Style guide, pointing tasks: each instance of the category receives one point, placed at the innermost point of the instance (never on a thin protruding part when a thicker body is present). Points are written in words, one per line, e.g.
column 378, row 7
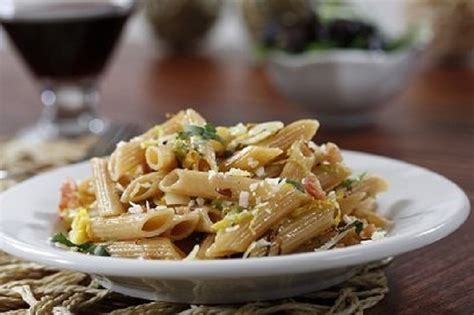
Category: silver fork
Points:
column 104, row 146
column 107, row 141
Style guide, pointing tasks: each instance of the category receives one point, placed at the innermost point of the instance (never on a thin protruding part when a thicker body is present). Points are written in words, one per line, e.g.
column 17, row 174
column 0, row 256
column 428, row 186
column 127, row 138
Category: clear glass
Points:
column 66, row 45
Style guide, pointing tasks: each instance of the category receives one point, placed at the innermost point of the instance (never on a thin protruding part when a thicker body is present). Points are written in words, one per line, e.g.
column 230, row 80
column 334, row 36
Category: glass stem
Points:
column 70, row 108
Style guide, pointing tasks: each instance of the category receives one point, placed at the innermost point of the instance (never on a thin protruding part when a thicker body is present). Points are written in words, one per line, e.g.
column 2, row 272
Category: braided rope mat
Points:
column 29, row 288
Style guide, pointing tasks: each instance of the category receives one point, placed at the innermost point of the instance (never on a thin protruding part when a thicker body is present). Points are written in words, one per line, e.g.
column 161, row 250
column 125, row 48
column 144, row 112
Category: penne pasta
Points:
column 187, row 190
column 204, row 245
column 108, row 201
column 207, row 217
column 160, row 158
column 151, row 248
column 143, row 187
column 206, row 185
column 230, row 241
column 311, row 221
column 299, row 130
column 250, row 158
column 131, row 226
column 182, row 226
column 128, row 160
column 299, row 163
column 331, row 175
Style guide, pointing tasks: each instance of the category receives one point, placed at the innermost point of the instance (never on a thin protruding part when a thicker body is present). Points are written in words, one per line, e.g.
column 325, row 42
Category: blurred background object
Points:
column 335, row 58
column 452, row 24
column 65, row 45
column 181, row 24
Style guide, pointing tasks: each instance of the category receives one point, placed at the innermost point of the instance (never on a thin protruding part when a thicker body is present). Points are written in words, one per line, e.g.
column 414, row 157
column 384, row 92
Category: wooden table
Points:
column 431, row 124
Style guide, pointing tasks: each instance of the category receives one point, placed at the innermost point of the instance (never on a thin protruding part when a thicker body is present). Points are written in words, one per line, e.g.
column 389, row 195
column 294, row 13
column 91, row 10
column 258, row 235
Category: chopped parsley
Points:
column 207, row 132
column 87, row 248
column 350, row 181
column 358, row 225
column 295, row 184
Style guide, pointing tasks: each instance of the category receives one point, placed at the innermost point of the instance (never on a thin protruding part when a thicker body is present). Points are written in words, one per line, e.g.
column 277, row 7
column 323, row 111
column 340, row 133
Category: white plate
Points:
column 423, row 205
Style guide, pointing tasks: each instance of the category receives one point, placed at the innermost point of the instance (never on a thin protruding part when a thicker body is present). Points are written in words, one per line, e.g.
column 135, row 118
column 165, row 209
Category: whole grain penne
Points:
column 108, row 201
column 304, row 129
column 143, row 187
column 236, row 240
column 310, row 221
column 206, row 185
column 131, row 226
column 251, row 158
column 299, row 163
column 160, row 158
column 128, row 160
column 151, row 248
column 182, row 226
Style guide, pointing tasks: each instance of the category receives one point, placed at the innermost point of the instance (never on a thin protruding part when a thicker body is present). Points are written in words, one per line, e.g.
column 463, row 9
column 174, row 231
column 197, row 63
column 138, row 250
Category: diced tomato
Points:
column 313, row 187
column 69, row 195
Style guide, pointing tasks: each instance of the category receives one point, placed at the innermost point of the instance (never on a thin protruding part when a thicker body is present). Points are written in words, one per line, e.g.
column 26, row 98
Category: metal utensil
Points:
column 104, row 146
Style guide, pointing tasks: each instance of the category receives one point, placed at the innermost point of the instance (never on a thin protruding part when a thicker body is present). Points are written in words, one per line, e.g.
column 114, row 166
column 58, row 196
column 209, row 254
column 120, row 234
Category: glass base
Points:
column 46, row 131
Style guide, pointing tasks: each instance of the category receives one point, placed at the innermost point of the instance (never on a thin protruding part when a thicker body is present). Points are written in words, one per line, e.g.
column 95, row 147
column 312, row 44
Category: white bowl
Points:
column 423, row 205
column 342, row 87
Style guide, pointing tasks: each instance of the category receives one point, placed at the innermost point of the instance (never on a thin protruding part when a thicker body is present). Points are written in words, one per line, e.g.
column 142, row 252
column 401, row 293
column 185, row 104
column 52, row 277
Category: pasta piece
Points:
column 152, row 248
column 311, row 221
column 182, row 226
column 172, row 125
column 204, row 245
column 304, row 129
column 191, row 117
column 143, row 187
column 328, row 152
column 108, row 202
column 274, row 169
column 131, row 226
column 172, row 199
column 349, row 204
column 206, row 185
column 300, row 161
column 331, row 175
column 372, row 217
column 128, row 160
column 207, row 217
column 160, row 158
column 371, row 185
column 86, row 192
column 236, row 240
column 251, row 158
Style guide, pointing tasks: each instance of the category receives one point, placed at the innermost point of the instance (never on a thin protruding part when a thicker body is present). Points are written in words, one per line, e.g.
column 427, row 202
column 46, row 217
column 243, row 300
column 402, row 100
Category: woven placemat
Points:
column 29, row 288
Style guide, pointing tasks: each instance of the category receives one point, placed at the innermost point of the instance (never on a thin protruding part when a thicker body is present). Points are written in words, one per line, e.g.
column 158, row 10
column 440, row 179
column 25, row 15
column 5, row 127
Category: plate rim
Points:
column 251, row 267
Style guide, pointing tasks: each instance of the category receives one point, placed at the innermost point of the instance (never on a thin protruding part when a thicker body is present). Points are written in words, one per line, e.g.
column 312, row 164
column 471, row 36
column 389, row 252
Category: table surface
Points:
column 430, row 124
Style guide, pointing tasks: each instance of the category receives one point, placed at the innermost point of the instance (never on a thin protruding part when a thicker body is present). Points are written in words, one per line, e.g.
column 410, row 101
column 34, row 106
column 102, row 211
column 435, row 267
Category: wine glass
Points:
column 66, row 45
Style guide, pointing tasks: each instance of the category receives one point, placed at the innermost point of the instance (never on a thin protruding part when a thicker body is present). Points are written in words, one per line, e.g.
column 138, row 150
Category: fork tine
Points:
column 107, row 142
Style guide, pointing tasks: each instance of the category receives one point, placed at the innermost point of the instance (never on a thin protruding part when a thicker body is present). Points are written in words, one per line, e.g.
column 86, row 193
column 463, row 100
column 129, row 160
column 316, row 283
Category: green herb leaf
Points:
column 350, row 181
column 89, row 248
column 295, row 184
column 358, row 225
column 61, row 239
column 217, row 203
column 208, row 132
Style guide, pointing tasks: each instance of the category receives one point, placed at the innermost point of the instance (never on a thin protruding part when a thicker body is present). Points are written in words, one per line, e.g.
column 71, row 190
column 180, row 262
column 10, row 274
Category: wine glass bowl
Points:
column 66, row 46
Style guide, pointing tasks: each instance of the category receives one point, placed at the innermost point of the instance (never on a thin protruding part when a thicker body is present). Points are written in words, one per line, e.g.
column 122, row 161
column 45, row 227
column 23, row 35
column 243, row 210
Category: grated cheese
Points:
column 378, row 235
column 260, row 171
column 135, row 208
column 252, row 162
column 237, row 172
column 200, row 201
column 244, row 199
column 193, row 253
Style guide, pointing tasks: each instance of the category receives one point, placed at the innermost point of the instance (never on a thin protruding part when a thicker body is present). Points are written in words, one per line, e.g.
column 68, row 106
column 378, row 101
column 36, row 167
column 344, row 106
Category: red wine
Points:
column 66, row 41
